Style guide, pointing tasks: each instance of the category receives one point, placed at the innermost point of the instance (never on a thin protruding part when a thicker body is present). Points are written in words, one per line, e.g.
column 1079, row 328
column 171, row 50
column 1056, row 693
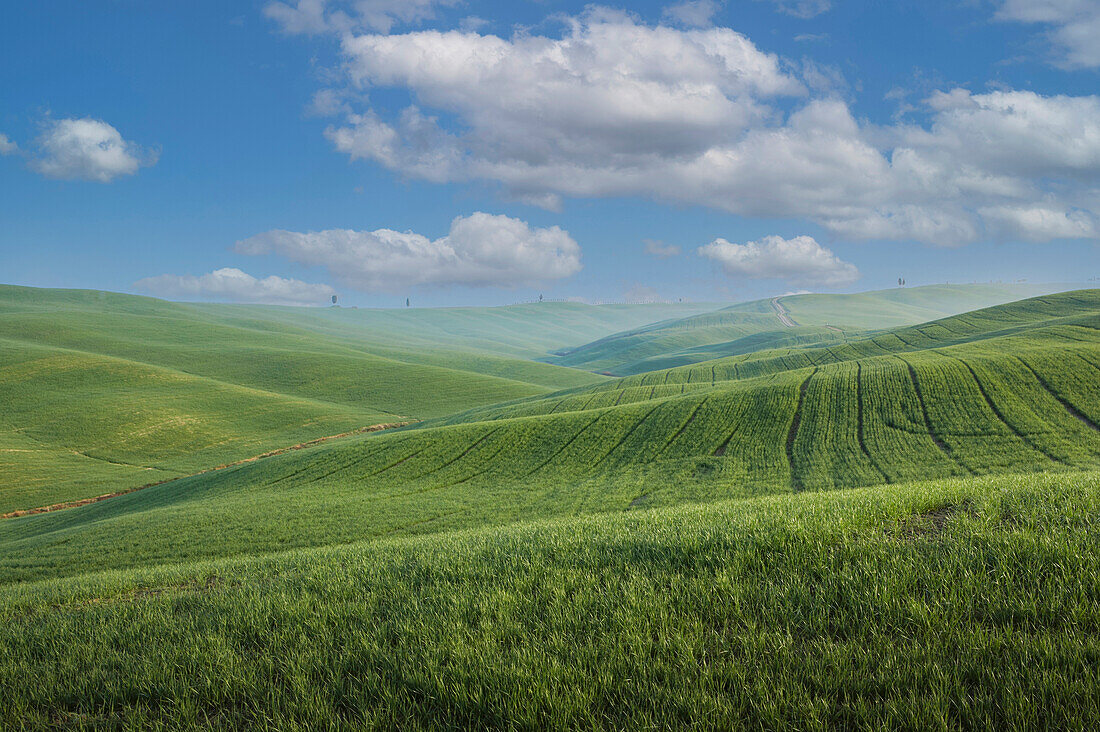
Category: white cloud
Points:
column 800, row 261
column 1037, row 223
column 312, row 17
column 1074, row 27
column 7, row 147
column 659, row 249
column 703, row 117
column 480, row 250
column 610, row 95
column 692, row 13
column 87, row 149
column 233, row 285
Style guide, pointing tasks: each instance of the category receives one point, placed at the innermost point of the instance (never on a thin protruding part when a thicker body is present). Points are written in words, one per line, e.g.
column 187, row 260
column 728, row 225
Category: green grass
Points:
column 754, row 326
column 966, row 603
column 105, row 392
column 1027, row 400
column 550, row 548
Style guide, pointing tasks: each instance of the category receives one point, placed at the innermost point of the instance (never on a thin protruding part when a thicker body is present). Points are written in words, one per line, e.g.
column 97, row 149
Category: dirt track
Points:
column 781, row 312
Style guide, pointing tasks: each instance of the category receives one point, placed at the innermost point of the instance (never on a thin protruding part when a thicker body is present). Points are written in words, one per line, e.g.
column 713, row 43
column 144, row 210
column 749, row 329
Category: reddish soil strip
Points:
column 270, row 453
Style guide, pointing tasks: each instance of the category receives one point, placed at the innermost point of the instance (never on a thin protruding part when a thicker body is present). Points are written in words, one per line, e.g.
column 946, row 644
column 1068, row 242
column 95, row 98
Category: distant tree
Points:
column 899, row 282
column 540, row 297
column 406, row 302
column 334, row 299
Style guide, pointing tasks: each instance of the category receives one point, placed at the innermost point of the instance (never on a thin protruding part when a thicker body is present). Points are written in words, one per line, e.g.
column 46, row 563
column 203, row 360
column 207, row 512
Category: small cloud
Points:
column 312, row 17
column 233, row 285
column 811, row 37
column 472, row 23
column 801, row 261
column 480, row 250
column 657, row 248
column 328, row 103
column 7, row 146
column 804, row 9
column 692, row 13
column 88, row 149
column 823, row 78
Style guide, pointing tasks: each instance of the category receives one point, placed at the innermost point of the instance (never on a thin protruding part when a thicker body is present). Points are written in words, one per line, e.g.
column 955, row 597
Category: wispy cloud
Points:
column 692, row 13
column 1073, row 27
column 657, row 248
column 312, row 17
column 232, row 285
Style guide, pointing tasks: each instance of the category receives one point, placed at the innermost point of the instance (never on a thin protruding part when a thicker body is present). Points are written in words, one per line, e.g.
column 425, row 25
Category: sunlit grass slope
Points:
column 104, row 392
column 76, row 424
column 1009, row 389
column 754, row 326
column 961, row 604
column 522, row 331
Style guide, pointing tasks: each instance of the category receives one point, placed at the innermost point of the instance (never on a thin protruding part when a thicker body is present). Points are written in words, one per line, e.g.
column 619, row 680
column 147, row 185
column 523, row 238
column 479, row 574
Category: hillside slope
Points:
column 757, row 325
column 924, row 606
column 1018, row 392
column 105, row 392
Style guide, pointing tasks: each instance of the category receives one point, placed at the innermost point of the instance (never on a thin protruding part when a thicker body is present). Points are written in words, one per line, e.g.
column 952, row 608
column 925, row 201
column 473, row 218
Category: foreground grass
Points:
column 959, row 603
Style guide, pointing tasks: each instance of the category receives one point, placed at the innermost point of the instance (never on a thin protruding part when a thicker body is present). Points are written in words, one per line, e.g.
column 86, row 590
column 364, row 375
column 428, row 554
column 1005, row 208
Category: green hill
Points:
column 746, row 541
column 105, row 392
column 925, row 606
column 755, row 326
column 1008, row 389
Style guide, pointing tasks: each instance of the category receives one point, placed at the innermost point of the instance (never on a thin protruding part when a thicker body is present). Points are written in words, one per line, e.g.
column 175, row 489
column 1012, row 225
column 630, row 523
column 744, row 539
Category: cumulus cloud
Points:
column 312, row 17
column 692, row 13
column 233, row 285
column 614, row 107
column 1073, row 27
column 7, row 147
column 657, row 248
column 87, row 149
column 480, row 250
column 801, row 261
column 611, row 95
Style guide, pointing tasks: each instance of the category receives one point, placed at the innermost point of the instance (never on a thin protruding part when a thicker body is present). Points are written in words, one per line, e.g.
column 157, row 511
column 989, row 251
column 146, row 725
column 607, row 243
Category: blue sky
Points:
column 484, row 152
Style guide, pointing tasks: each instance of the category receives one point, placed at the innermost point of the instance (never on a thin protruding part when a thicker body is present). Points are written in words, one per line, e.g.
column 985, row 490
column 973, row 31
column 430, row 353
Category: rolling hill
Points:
column 105, row 392
column 888, row 529
column 1008, row 389
column 807, row 320
column 930, row 605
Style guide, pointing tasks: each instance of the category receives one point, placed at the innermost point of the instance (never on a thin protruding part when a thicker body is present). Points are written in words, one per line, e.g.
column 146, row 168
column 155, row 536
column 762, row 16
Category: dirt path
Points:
column 254, row 458
column 781, row 312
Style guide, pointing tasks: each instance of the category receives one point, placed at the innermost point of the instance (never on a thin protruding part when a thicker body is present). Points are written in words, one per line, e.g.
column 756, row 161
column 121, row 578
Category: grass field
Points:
column 884, row 526
column 105, row 392
column 755, row 326
column 960, row 603
column 1019, row 393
